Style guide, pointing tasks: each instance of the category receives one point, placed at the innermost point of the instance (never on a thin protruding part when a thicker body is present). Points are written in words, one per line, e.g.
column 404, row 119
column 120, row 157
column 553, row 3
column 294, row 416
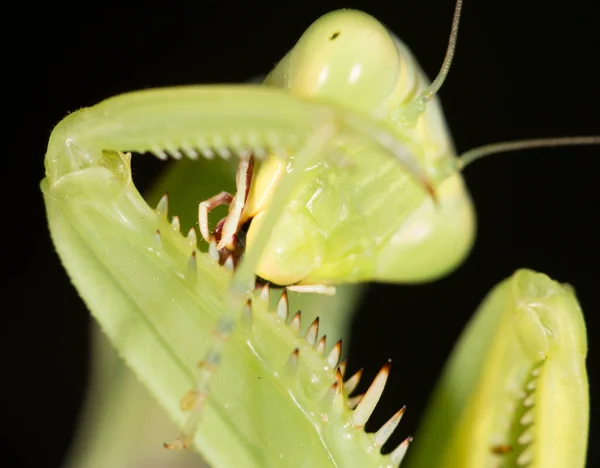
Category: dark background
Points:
column 522, row 69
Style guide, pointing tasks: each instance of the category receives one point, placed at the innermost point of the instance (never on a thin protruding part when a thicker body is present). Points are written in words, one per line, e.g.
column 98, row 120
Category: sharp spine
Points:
column 333, row 358
column 355, row 400
column 159, row 153
column 312, row 332
column 527, row 418
column 265, row 293
column 224, row 152
column 192, row 237
column 351, row 384
column 189, row 151
column 295, row 323
column 398, row 454
column 525, row 457
column 162, row 207
column 334, row 391
column 367, row 405
column 384, row 433
column 208, row 153
column 344, row 363
column 339, row 381
column 193, row 265
column 212, row 250
column 247, row 315
column 283, row 306
column 293, row 360
column 526, row 437
column 175, row 223
column 260, row 152
column 321, row 344
column 229, row 265
column 174, row 152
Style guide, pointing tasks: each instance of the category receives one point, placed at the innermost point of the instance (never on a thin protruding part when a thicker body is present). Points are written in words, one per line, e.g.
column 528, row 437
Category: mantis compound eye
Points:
column 346, row 56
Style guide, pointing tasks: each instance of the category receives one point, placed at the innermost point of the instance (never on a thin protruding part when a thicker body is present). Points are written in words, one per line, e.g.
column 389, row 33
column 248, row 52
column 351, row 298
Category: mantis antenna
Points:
column 434, row 87
column 418, row 106
column 505, row 146
column 410, row 113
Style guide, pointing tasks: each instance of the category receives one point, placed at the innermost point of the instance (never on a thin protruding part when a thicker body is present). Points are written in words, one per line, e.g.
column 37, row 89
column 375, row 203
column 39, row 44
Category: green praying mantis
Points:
column 336, row 160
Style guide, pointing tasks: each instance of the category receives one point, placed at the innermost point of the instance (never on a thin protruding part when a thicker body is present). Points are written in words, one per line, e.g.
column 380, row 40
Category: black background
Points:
column 525, row 68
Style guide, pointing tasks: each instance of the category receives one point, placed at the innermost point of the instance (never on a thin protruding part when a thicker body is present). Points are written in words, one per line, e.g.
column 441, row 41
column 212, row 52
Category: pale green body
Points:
column 159, row 298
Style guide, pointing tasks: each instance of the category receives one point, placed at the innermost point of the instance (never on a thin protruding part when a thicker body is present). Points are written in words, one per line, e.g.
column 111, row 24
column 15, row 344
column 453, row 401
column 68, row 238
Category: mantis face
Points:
column 361, row 216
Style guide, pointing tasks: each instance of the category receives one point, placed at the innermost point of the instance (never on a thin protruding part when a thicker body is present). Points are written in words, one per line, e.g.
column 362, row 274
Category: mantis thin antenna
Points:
column 505, row 146
column 434, row 87
column 409, row 114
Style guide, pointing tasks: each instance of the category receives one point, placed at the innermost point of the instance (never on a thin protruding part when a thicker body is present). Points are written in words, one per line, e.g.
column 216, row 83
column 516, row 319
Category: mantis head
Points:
column 346, row 56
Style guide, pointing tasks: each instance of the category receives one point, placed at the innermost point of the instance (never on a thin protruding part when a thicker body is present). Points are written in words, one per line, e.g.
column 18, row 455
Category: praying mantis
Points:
column 78, row 163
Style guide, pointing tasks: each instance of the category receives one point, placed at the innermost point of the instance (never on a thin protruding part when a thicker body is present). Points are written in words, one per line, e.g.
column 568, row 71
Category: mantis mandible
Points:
column 320, row 139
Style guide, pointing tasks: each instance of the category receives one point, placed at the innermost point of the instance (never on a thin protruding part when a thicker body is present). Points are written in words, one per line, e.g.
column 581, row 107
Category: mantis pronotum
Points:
column 72, row 136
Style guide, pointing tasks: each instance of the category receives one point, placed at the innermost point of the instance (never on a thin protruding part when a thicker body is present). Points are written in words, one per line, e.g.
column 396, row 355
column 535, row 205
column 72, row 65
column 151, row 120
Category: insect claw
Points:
column 398, row 454
column 385, row 431
column 243, row 178
column 367, row 405
column 205, row 207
